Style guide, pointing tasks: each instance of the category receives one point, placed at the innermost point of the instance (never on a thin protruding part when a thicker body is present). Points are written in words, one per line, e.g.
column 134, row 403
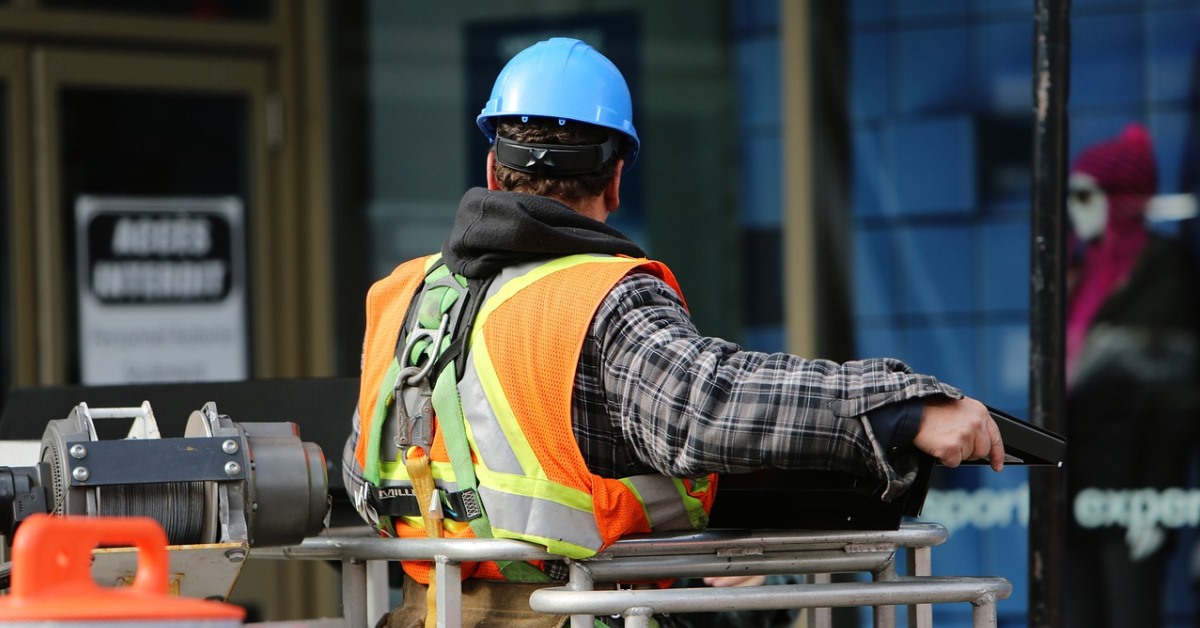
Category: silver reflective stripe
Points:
column 544, row 518
column 499, row 455
column 541, row 517
column 485, row 427
column 664, row 505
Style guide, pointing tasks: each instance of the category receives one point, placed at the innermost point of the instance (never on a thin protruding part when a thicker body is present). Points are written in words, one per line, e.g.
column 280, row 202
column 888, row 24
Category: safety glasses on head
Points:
column 554, row 159
column 565, row 79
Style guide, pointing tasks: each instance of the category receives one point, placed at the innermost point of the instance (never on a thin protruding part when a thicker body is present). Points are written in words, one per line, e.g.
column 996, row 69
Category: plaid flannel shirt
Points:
column 653, row 395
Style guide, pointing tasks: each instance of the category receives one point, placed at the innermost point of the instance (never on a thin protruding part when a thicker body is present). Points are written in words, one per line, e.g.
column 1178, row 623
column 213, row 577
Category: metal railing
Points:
column 713, row 553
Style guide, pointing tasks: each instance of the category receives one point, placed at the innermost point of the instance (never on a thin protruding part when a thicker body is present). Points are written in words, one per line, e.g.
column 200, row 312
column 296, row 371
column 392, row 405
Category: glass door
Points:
column 154, row 218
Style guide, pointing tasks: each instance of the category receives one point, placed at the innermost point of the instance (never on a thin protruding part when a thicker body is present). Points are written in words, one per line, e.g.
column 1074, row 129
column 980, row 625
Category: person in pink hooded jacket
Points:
column 1132, row 404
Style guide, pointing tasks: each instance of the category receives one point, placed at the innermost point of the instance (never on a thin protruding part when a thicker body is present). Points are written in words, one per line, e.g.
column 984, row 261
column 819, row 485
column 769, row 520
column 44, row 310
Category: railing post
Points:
column 354, row 592
column 376, row 585
column 449, row 592
column 821, row 617
column 885, row 616
column 920, row 563
column 580, row 579
column 983, row 613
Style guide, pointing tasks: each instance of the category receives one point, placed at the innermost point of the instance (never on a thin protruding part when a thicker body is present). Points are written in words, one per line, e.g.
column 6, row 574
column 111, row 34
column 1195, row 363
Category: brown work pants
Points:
column 485, row 604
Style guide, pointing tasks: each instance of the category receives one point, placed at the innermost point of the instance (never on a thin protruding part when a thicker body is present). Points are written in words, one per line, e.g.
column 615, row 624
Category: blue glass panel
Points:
column 769, row 339
column 910, row 9
column 874, row 188
column 1004, row 147
column 1088, row 129
column 1181, row 592
column 869, row 75
column 1003, row 517
column 1106, row 60
column 1006, row 367
column 946, row 350
column 934, row 73
column 1169, row 132
column 1021, row 8
column 751, row 15
column 1171, row 40
column 936, row 263
column 867, row 10
column 1006, row 252
column 876, row 284
column 1004, row 51
column 758, row 82
column 878, row 340
column 1081, row 6
column 934, row 165
column 761, row 183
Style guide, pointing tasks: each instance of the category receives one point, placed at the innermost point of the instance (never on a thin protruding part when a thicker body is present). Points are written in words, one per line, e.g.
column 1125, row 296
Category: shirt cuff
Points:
column 895, row 425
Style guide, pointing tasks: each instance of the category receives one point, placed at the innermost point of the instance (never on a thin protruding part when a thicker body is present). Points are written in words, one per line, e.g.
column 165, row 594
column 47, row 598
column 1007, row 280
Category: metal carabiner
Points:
column 435, row 336
column 414, row 426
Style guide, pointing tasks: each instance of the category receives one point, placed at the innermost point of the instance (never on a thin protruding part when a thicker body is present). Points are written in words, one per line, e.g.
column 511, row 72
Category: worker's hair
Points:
column 549, row 131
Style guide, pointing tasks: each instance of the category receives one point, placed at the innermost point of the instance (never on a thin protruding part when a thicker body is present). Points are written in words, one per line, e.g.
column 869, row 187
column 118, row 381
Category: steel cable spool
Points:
column 221, row 482
column 179, row 507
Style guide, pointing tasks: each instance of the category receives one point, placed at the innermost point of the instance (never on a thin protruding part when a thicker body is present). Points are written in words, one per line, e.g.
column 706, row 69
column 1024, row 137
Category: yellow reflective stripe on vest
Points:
column 481, row 361
column 521, row 502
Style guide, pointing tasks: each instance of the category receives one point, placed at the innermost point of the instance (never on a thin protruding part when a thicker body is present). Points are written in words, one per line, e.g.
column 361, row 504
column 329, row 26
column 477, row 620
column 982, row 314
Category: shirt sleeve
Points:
column 688, row 404
column 895, row 425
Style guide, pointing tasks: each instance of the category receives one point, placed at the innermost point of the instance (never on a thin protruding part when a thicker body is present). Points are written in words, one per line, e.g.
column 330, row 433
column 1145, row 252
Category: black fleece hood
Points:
column 493, row 230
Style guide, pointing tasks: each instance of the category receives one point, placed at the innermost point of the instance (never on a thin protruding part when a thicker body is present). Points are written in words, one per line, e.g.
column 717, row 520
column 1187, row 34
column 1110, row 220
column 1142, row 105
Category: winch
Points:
column 221, row 482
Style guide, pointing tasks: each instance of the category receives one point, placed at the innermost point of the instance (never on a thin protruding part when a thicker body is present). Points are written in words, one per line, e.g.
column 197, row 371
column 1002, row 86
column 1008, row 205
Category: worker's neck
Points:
column 593, row 207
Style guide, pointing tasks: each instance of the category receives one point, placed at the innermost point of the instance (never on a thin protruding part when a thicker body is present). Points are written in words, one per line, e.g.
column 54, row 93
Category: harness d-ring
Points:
column 417, row 421
column 410, row 375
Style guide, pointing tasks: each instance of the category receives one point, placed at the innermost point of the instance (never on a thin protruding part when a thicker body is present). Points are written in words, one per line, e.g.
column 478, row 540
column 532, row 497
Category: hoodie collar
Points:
column 493, row 230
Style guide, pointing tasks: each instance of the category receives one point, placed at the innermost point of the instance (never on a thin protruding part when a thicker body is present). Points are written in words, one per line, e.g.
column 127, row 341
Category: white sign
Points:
column 162, row 289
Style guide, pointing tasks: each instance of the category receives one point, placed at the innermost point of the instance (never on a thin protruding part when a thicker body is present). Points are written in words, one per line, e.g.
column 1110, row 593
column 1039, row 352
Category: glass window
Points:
column 940, row 109
column 432, row 65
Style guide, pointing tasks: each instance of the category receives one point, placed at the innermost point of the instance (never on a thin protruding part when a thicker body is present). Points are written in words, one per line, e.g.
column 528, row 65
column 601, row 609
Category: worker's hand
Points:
column 954, row 430
column 735, row 581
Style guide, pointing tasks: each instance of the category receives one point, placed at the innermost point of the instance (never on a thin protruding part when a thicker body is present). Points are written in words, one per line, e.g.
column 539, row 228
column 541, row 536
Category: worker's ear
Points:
column 612, row 191
column 491, row 171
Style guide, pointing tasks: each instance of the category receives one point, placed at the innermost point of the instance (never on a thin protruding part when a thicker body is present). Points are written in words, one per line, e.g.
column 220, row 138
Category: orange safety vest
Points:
column 523, row 353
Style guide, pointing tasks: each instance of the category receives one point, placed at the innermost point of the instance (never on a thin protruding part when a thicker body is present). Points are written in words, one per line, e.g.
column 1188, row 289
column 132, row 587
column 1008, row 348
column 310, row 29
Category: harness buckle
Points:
column 413, row 393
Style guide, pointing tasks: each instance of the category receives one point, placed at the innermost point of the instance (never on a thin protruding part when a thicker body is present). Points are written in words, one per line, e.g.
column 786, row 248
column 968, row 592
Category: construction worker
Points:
column 540, row 379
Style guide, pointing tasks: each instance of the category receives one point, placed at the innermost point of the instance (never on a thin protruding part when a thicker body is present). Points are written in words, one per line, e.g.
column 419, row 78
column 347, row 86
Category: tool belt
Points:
column 485, row 604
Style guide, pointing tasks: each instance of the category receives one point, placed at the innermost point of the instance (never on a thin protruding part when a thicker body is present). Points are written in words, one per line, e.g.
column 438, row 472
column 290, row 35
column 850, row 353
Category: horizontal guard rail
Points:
column 710, row 553
column 909, row 535
column 789, row 562
column 636, row 605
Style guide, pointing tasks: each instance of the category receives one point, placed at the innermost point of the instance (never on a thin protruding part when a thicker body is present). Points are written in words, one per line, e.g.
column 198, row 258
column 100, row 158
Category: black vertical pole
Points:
column 1047, row 494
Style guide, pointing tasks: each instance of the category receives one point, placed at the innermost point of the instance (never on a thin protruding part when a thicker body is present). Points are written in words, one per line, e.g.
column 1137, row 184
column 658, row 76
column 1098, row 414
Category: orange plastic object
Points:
column 52, row 577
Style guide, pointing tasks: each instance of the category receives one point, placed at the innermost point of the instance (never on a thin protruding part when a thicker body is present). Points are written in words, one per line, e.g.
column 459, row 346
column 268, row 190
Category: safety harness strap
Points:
column 450, row 296
column 399, row 501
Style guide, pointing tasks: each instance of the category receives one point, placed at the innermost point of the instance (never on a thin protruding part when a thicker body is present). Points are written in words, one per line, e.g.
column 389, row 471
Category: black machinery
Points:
column 208, row 486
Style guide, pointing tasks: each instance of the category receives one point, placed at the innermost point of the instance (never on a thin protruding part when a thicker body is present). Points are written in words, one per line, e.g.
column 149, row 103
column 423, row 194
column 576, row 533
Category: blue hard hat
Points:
column 566, row 79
